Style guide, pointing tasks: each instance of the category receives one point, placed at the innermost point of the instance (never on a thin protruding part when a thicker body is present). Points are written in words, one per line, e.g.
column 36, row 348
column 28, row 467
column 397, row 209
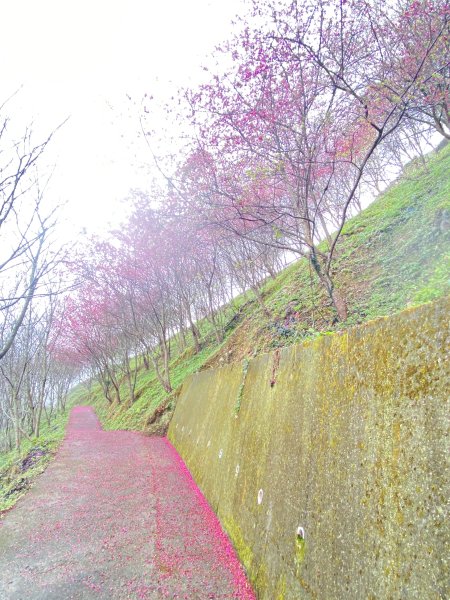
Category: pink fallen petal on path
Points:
column 117, row 515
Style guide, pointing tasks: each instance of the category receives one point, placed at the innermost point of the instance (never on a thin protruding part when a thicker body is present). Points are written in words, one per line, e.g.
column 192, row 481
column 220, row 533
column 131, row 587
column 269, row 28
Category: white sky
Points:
column 82, row 58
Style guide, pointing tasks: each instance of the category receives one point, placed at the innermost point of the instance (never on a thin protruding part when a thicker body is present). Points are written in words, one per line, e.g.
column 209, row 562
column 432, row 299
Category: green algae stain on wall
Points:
column 244, row 551
column 350, row 445
column 300, row 550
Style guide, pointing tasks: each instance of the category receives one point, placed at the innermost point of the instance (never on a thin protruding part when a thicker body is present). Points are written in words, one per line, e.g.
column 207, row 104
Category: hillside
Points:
column 393, row 255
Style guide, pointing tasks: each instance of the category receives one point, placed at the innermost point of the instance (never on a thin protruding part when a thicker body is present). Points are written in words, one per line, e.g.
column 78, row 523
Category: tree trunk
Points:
column 16, row 425
column 130, row 376
column 131, row 388
column 115, row 385
column 337, row 298
column 37, row 422
column 181, row 339
column 195, row 332
column 339, row 304
column 164, row 381
column 325, row 229
column 166, row 359
column 212, row 317
column 105, row 384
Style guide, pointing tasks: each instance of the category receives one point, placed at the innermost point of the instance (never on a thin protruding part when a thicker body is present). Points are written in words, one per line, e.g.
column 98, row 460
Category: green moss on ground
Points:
column 19, row 469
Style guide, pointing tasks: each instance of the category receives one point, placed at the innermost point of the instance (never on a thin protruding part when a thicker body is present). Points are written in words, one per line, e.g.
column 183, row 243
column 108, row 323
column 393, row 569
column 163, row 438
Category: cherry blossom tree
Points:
column 286, row 137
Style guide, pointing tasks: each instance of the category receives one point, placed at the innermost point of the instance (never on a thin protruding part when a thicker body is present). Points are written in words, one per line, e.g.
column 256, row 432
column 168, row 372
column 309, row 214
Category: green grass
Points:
column 18, row 469
column 393, row 255
column 150, row 394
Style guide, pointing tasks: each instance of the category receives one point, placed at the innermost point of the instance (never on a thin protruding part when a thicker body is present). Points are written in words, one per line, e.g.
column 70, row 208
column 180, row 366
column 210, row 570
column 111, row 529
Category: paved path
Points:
column 116, row 516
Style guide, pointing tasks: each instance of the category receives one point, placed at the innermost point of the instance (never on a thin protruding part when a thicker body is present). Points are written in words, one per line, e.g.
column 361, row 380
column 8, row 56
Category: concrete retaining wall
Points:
column 345, row 437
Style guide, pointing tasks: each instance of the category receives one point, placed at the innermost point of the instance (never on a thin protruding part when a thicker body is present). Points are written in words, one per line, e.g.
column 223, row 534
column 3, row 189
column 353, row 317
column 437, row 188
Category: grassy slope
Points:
column 18, row 469
column 394, row 254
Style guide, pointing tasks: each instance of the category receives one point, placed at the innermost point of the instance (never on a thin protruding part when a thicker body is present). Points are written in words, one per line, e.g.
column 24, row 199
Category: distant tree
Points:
column 26, row 257
column 146, row 266
column 31, row 378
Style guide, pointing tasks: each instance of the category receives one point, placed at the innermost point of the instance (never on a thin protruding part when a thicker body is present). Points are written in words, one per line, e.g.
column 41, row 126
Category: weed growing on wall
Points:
column 240, row 394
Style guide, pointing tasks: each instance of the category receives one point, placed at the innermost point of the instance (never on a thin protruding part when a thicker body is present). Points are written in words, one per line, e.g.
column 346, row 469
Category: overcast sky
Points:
column 81, row 59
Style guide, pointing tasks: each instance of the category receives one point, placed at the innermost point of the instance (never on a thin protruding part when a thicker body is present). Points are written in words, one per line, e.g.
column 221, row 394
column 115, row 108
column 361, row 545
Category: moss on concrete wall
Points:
column 350, row 443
